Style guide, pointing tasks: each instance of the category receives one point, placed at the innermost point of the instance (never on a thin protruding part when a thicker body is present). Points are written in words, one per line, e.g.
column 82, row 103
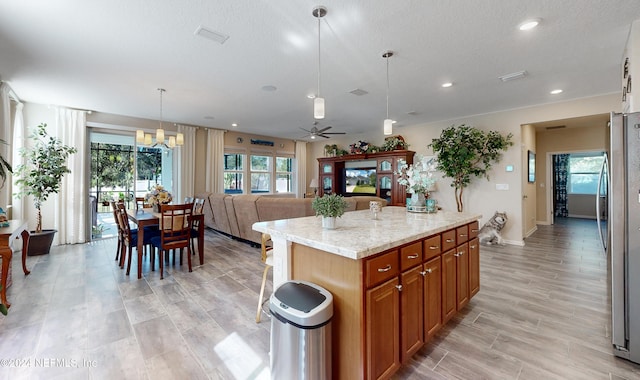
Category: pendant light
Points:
column 318, row 102
column 146, row 138
column 388, row 123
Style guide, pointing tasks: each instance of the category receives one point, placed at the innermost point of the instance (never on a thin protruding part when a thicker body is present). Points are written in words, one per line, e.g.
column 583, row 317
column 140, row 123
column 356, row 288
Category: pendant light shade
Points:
column 318, row 103
column 388, row 123
column 146, row 138
column 318, row 108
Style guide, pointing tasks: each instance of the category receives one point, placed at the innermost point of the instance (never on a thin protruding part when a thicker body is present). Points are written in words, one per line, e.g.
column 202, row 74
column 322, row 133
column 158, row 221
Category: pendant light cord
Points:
column 387, row 86
column 319, row 52
column 161, row 91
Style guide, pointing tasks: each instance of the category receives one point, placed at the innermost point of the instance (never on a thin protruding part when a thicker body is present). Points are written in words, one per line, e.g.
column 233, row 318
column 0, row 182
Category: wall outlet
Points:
column 502, row 186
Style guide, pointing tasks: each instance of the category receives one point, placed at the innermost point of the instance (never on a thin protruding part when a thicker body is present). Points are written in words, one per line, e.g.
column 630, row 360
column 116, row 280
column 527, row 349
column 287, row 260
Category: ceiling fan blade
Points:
column 323, row 129
column 322, row 135
column 335, row 133
column 306, row 130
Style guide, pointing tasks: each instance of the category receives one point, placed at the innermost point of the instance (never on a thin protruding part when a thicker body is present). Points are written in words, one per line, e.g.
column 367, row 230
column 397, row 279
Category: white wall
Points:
column 481, row 196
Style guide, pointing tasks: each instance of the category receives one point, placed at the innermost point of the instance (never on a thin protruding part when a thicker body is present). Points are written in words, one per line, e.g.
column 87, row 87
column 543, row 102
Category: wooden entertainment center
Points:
column 331, row 174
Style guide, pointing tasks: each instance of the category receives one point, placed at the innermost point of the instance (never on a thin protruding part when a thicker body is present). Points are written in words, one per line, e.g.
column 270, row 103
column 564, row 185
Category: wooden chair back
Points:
column 176, row 223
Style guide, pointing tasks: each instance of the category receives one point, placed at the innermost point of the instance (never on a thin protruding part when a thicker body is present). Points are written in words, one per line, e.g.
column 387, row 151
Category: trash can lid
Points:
column 302, row 303
column 300, row 296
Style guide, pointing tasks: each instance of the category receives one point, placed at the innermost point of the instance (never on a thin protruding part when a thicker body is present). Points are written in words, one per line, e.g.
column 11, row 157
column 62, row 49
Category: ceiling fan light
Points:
column 318, row 108
column 388, row 127
column 140, row 136
column 147, row 139
column 180, row 139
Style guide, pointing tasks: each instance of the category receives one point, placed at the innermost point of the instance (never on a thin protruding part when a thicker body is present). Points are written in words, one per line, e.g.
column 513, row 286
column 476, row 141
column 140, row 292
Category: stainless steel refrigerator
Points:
column 622, row 240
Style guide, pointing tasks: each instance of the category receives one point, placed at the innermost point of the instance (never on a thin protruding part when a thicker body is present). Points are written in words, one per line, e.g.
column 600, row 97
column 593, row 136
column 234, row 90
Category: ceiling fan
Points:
column 314, row 132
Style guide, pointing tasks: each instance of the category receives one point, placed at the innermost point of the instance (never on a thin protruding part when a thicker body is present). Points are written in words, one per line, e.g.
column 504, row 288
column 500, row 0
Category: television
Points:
column 359, row 181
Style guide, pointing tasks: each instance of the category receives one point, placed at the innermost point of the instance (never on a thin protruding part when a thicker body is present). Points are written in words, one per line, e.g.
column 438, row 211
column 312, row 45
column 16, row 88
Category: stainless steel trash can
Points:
column 301, row 331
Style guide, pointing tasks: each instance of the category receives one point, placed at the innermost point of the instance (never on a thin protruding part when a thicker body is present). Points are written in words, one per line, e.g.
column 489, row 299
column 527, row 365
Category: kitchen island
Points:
column 395, row 280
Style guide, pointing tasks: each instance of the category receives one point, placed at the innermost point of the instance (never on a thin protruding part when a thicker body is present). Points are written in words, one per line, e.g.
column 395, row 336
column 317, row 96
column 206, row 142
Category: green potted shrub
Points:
column 329, row 207
column 45, row 163
column 465, row 152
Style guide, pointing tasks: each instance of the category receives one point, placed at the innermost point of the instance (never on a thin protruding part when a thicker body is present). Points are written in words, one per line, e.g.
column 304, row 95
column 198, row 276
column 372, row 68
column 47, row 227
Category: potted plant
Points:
column 97, row 230
column 40, row 176
column 465, row 152
column 329, row 207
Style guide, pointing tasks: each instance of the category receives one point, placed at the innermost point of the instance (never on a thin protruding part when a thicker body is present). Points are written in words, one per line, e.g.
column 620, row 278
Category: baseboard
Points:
column 519, row 243
column 543, row 223
column 582, row 216
column 531, row 231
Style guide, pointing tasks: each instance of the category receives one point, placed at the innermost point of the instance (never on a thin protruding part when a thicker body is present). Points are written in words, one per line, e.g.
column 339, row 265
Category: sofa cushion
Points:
column 283, row 208
column 247, row 214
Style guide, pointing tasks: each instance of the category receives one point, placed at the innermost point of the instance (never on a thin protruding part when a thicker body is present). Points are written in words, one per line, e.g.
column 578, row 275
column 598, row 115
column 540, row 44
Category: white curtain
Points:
column 5, row 135
column 185, row 163
column 301, row 168
column 214, row 167
column 19, row 207
column 73, row 200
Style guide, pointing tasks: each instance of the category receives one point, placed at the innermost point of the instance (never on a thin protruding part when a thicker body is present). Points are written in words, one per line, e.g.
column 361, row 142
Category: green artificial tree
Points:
column 465, row 152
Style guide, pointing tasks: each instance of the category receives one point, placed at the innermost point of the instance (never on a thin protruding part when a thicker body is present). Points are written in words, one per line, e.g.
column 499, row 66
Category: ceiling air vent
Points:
column 557, row 127
column 211, row 34
column 513, row 76
column 358, row 92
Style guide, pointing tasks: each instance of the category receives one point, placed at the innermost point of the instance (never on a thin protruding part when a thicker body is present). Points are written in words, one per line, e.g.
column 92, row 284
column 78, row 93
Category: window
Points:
column 584, row 170
column 233, row 171
column 260, row 174
column 284, row 175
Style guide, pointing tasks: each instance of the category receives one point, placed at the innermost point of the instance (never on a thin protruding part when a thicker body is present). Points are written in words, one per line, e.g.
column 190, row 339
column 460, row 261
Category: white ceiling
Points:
column 111, row 56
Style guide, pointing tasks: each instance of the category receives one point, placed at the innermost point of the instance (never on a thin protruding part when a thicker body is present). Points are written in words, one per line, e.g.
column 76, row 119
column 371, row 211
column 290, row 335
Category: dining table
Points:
column 147, row 217
column 7, row 235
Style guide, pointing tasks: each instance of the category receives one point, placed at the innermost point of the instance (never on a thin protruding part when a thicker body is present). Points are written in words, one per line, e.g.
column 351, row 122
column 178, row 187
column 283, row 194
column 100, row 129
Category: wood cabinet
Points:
column 474, row 267
column 332, row 179
column 448, row 285
column 462, row 275
column 383, row 329
column 432, row 306
column 411, row 299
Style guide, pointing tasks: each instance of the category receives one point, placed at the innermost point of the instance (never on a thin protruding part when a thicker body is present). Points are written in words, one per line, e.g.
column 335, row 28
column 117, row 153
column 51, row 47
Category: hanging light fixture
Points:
column 388, row 123
column 146, row 138
column 318, row 102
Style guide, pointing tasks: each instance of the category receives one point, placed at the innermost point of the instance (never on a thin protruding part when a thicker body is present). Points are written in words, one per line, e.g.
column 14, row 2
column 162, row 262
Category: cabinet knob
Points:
column 473, row 247
column 423, row 273
column 399, row 287
column 385, row 269
column 449, row 240
column 463, row 235
column 414, row 256
column 458, row 254
column 475, row 230
column 433, row 247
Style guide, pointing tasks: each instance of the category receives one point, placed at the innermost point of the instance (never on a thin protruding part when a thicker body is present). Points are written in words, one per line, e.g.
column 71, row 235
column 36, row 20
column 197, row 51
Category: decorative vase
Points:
column 156, row 207
column 418, row 200
column 329, row 222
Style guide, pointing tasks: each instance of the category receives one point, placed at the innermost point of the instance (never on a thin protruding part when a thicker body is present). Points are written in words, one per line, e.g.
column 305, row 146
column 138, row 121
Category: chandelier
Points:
column 146, row 138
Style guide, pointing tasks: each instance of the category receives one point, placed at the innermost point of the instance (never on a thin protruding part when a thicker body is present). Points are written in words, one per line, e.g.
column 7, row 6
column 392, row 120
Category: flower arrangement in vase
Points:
column 418, row 178
column 156, row 196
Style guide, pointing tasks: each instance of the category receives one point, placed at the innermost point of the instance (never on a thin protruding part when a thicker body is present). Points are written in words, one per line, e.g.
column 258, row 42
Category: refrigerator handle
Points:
column 605, row 163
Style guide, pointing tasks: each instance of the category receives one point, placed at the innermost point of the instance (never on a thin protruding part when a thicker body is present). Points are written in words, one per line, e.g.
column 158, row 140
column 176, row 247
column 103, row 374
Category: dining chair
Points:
column 141, row 203
column 175, row 233
column 130, row 237
column 188, row 200
column 116, row 218
column 198, row 209
column 267, row 259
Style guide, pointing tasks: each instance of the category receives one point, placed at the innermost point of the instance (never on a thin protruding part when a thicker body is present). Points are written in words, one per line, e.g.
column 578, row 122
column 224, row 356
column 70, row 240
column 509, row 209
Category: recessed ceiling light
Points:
column 555, row 92
column 448, row 84
column 234, row 124
column 394, row 121
column 512, row 76
column 269, row 88
column 358, row 92
column 311, row 96
column 205, row 32
column 529, row 24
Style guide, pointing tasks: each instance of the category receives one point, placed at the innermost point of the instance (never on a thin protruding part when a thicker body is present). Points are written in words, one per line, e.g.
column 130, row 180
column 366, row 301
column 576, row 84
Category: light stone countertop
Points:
column 357, row 235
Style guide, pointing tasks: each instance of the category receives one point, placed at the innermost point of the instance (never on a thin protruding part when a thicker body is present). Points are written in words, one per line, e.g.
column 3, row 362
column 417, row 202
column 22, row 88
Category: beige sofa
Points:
column 234, row 215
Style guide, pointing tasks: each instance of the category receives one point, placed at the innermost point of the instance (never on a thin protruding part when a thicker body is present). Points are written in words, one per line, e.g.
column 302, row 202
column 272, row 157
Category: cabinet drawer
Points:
column 410, row 256
column 381, row 268
column 448, row 240
column 473, row 229
column 462, row 234
column 431, row 247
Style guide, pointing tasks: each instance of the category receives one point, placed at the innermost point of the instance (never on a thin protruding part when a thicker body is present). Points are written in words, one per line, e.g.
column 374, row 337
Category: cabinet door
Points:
column 448, row 285
column 385, row 187
column 385, row 165
column 327, row 185
column 474, row 267
column 462, row 275
column 432, row 297
column 411, row 300
column 383, row 329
